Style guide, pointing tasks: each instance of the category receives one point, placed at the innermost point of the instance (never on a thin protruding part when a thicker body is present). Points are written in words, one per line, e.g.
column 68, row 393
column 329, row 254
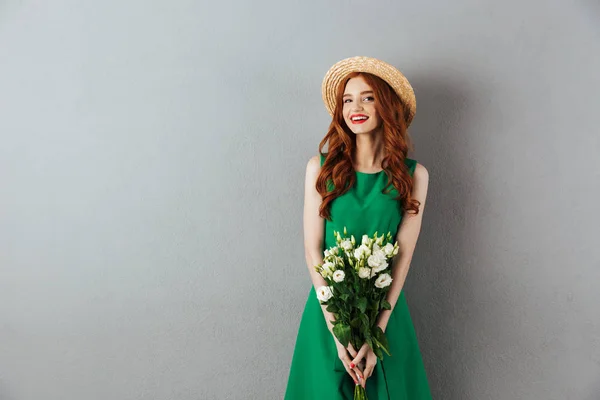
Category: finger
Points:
column 361, row 353
column 369, row 370
column 353, row 375
column 361, row 364
column 360, row 379
column 359, row 373
column 351, row 350
column 367, row 374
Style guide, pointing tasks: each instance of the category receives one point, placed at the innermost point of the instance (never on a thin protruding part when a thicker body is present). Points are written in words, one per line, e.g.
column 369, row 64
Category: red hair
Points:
column 337, row 166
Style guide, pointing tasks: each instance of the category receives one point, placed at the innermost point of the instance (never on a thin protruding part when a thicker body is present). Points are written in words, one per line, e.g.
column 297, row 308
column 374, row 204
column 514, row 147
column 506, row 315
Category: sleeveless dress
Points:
column 316, row 372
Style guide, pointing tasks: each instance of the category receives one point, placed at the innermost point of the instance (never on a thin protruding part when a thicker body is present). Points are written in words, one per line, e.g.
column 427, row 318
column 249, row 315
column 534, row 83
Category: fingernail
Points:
column 351, row 365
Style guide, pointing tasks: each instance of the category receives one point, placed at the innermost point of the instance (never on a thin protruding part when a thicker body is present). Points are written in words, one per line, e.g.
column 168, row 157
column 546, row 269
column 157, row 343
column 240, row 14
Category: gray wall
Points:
column 152, row 164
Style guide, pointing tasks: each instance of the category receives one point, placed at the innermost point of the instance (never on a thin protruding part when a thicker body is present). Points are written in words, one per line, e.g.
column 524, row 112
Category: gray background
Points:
column 152, row 168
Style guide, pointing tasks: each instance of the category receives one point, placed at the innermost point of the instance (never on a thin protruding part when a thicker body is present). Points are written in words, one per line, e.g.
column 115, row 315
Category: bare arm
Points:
column 407, row 236
column 314, row 230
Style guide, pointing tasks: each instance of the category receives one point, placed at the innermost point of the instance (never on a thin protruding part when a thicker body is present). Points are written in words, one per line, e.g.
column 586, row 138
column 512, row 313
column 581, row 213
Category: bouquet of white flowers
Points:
column 358, row 280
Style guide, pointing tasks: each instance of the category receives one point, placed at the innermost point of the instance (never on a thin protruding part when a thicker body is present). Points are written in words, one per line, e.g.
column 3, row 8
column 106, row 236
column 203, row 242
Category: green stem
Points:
column 360, row 393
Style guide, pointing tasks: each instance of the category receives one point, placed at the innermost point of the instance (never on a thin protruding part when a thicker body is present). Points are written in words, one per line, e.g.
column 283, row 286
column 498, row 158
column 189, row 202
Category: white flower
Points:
column 362, row 251
column 388, row 249
column 381, row 267
column 328, row 268
column 346, row 245
column 381, row 255
column 338, row 275
column 377, row 261
column 324, row 293
column 378, row 251
column 374, row 261
column 358, row 253
column 364, row 273
column 331, row 252
column 383, row 280
column 365, row 240
column 339, row 261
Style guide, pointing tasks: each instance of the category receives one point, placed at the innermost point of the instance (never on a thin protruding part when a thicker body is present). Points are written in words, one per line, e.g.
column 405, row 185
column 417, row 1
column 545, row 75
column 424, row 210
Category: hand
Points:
column 371, row 360
column 356, row 373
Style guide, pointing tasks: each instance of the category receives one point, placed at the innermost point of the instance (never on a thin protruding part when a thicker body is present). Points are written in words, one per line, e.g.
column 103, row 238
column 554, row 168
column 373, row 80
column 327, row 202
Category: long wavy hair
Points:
column 337, row 167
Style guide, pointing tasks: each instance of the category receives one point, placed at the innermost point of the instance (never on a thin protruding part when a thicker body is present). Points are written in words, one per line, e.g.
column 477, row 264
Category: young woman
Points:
column 366, row 183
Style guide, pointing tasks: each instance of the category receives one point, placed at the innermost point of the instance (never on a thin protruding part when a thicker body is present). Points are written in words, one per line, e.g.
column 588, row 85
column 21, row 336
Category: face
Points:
column 359, row 106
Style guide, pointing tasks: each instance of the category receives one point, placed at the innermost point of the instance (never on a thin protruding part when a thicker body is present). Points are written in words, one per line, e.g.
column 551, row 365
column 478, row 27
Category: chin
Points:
column 363, row 130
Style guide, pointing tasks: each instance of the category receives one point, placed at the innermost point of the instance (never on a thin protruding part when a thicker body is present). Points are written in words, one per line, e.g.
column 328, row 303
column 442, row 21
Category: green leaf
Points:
column 342, row 333
column 355, row 323
column 378, row 332
column 378, row 352
column 361, row 303
column 332, row 308
column 369, row 341
column 380, row 346
column 385, row 305
column 365, row 322
column 382, row 339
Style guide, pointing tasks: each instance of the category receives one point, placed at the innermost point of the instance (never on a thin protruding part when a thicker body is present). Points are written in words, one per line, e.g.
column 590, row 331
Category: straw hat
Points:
column 385, row 71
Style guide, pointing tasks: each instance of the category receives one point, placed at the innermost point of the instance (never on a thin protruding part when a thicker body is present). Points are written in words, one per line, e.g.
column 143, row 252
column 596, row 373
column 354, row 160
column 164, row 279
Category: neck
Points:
column 369, row 151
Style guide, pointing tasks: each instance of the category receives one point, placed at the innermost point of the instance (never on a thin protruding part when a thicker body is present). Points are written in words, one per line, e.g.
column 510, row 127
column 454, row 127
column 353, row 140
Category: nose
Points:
column 357, row 106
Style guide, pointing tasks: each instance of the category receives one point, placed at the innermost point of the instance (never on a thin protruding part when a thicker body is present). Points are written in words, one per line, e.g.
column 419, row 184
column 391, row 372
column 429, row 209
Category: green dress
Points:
column 316, row 372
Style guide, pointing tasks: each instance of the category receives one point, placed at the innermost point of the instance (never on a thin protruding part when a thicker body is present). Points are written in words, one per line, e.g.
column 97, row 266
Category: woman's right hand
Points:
column 344, row 354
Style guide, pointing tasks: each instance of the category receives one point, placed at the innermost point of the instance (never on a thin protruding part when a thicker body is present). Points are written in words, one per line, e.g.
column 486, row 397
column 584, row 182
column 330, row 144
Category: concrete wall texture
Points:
column 151, row 177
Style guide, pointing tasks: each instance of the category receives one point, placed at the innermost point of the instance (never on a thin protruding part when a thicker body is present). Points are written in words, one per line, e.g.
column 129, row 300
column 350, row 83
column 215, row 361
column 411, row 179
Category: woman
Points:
column 366, row 183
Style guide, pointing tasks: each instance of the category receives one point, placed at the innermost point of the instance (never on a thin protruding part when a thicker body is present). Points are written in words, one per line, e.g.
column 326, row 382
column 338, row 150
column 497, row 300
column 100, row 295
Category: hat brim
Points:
column 385, row 71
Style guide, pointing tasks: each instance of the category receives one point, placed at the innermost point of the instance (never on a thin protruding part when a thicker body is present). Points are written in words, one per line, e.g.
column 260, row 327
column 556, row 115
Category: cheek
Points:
column 345, row 112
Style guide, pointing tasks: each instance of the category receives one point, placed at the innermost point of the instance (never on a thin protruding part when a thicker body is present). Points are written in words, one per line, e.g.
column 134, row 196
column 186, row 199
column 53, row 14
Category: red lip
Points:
column 358, row 115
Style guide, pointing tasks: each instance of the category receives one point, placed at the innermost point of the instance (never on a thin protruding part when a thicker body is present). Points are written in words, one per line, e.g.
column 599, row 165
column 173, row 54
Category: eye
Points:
column 368, row 97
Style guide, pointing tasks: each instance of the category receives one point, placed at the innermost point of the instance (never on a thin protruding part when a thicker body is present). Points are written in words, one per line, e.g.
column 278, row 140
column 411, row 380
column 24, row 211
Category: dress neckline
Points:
column 357, row 173
column 368, row 173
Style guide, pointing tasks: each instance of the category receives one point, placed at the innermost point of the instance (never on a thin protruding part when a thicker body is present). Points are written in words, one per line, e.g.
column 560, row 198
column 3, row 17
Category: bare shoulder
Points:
column 421, row 174
column 421, row 183
column 313, row 167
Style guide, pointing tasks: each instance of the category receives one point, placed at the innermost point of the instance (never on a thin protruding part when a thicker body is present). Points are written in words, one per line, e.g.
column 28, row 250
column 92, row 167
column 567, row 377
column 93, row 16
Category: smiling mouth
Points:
column 359, row 120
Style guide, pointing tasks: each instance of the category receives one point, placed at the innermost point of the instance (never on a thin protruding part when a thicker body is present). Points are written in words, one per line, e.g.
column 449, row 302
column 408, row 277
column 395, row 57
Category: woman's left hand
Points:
column 371, row 360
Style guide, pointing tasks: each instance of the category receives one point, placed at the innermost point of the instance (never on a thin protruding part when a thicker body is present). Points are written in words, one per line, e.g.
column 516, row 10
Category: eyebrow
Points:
column 363, row 92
